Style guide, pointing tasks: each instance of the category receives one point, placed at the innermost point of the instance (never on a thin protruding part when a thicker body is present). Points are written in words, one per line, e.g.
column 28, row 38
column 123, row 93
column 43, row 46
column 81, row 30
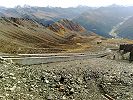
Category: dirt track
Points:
column 31, row 59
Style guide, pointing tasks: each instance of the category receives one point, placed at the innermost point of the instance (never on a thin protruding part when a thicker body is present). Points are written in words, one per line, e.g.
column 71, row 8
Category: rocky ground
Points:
column 86, row 79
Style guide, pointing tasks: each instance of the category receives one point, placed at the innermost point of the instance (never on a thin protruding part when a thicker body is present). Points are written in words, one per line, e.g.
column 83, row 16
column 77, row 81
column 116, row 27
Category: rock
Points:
column 1, row 97
column 24, row 79
column 62, row 88
column 64, row 97
column 6, row 94
column 85, row 86
column 62, row 79
column 14, row 78
column 79, row 80
column 1, row 77
column 71, row 91
column 12, row 74
column 42, row 78
column 46, row 81
column 77, row 87
column 19, row 81
column 13, row 88
column 50, row 97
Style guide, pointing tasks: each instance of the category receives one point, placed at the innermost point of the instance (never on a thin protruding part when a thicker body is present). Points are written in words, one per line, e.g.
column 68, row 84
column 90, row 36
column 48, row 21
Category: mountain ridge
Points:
column 44, row 15
column 100, row 20
column 28, row 36
column 103, row 19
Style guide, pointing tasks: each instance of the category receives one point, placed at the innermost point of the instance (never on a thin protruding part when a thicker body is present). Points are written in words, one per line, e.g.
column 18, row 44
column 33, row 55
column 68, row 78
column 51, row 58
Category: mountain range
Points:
column 43, row 15
column 53, row 29
column 103, row 21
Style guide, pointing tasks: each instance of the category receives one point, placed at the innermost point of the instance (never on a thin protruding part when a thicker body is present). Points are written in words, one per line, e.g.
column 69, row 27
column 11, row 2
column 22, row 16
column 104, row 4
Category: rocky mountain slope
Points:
column 43, row 15
column 24, row 35
column 67, row 27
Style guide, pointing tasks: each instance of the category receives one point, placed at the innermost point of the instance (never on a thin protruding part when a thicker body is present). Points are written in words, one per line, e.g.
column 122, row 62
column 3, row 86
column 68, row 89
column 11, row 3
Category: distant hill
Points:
column 43, row 15
column 19, row 35
column 126, row 29
column 103, row 19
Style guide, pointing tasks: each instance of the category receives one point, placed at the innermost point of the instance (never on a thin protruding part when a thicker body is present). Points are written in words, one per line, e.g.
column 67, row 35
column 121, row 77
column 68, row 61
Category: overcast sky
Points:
column 64, row 3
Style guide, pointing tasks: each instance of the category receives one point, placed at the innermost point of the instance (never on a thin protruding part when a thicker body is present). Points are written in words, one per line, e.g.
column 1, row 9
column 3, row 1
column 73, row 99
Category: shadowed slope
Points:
column 126, row 29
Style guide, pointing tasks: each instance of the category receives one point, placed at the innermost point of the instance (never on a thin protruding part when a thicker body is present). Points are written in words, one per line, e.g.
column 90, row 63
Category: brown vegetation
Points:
column 19, row 35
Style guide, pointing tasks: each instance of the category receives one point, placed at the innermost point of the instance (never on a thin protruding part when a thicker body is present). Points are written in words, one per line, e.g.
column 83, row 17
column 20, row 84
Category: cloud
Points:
column 64, row 3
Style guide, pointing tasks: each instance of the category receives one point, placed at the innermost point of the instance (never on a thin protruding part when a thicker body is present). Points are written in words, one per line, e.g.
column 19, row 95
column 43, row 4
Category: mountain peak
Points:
column 66, row 25
column 115, row 5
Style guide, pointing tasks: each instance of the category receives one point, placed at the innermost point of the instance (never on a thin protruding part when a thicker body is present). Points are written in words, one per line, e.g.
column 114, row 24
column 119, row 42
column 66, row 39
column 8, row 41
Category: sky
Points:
column 65, row 3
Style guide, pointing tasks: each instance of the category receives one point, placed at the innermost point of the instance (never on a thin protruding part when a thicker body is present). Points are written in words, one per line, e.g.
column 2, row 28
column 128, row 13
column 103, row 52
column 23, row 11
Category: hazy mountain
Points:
column 44, row 15
column 103, row 19
column 125, row 30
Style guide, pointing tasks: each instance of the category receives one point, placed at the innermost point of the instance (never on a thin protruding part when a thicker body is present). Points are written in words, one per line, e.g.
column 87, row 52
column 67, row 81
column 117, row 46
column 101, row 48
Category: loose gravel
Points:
column 86, row 79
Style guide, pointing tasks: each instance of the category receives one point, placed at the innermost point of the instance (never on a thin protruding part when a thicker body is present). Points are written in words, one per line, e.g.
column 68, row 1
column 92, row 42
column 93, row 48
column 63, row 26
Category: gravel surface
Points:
column 86, row 79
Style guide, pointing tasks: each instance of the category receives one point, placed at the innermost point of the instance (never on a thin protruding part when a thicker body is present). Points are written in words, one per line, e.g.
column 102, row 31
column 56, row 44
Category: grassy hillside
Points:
column 19, row 35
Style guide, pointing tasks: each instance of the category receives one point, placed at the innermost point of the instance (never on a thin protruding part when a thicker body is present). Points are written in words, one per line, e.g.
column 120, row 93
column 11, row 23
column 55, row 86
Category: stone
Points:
column 19, row 81
column 62, row 79
column 50, row 97
column 13, row 88
column 64, row 98
column 14, row 78
column 61, row 88
column 46, row 81
column 72, row 91
column 12, row 74
column 79, row 80
column 1, row 76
